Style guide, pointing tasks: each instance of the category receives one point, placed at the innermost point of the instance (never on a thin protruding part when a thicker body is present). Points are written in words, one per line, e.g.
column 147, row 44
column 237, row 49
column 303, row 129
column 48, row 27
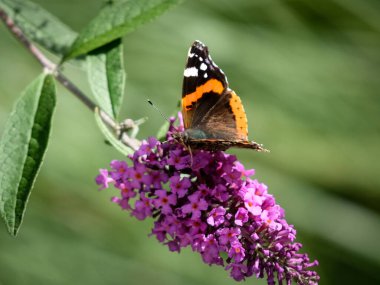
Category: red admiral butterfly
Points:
column 213, row 114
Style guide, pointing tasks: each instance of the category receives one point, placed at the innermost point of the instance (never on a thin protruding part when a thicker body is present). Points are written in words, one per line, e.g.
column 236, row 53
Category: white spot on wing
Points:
column 191, row 71
column 203, row 66
column 200, row 58
column 205, row 75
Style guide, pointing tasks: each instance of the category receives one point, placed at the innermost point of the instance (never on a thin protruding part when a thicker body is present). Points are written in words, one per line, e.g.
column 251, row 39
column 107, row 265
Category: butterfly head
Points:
column 181, row 137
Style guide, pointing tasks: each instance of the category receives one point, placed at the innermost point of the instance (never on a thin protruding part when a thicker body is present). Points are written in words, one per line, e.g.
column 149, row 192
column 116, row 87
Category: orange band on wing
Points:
column 212, row 85
column 240, row 116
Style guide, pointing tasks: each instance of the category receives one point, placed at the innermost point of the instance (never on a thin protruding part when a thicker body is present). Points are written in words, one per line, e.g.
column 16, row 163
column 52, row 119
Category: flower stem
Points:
column 52, row 68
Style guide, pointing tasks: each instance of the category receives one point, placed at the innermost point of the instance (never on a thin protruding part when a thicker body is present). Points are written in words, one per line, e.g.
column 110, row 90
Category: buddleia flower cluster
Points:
column 208, row 201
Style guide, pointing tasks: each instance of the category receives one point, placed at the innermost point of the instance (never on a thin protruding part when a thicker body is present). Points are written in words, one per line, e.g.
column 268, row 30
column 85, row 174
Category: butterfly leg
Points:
column 191, row 156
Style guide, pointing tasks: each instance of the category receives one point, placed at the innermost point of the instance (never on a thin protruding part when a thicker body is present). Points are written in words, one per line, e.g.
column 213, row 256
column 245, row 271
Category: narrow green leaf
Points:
column 107, row 76
column 111, row 137
column 22, row 148
column 40, row 25
column 161, row 134
column 115, row 20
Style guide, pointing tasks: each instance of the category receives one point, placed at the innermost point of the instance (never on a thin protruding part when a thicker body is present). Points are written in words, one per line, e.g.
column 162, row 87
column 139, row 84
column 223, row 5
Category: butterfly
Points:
column 213, row 115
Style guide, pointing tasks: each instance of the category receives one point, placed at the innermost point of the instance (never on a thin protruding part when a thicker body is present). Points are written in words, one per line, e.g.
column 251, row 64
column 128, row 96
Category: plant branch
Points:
column 52, row 68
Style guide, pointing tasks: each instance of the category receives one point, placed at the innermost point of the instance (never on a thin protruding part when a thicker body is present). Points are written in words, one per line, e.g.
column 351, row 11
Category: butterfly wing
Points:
column 207, row 102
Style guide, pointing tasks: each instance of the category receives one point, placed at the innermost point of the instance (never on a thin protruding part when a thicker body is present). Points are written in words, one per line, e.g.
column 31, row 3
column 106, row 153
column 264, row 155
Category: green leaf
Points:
column 40, row 25
column 115, row 20
column 107, row 76
column 22, row 148
column 161, row 134
column 111, row 137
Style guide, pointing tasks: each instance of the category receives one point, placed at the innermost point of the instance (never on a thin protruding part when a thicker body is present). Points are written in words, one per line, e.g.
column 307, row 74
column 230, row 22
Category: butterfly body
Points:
column 214, row 117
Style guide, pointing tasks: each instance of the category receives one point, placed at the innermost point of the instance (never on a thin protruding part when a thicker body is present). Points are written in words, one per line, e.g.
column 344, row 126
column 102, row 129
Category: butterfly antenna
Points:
column 159, row 111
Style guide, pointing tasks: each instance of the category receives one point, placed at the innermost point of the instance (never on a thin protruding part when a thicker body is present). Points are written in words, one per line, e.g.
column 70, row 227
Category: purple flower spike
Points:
column 209, row 202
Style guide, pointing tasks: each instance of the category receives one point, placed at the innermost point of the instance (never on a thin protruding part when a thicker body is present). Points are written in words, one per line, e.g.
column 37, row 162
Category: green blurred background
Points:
column 308, row 74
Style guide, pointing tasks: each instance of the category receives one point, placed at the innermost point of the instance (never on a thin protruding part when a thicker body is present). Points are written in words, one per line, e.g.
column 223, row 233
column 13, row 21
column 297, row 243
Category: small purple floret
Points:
column 103, row 179
column 216, row 216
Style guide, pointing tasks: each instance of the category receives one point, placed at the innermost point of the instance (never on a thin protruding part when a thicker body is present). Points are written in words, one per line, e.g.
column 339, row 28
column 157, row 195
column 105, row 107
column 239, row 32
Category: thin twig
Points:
column 16, row 31
column 52, row 68
column 74, row 89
